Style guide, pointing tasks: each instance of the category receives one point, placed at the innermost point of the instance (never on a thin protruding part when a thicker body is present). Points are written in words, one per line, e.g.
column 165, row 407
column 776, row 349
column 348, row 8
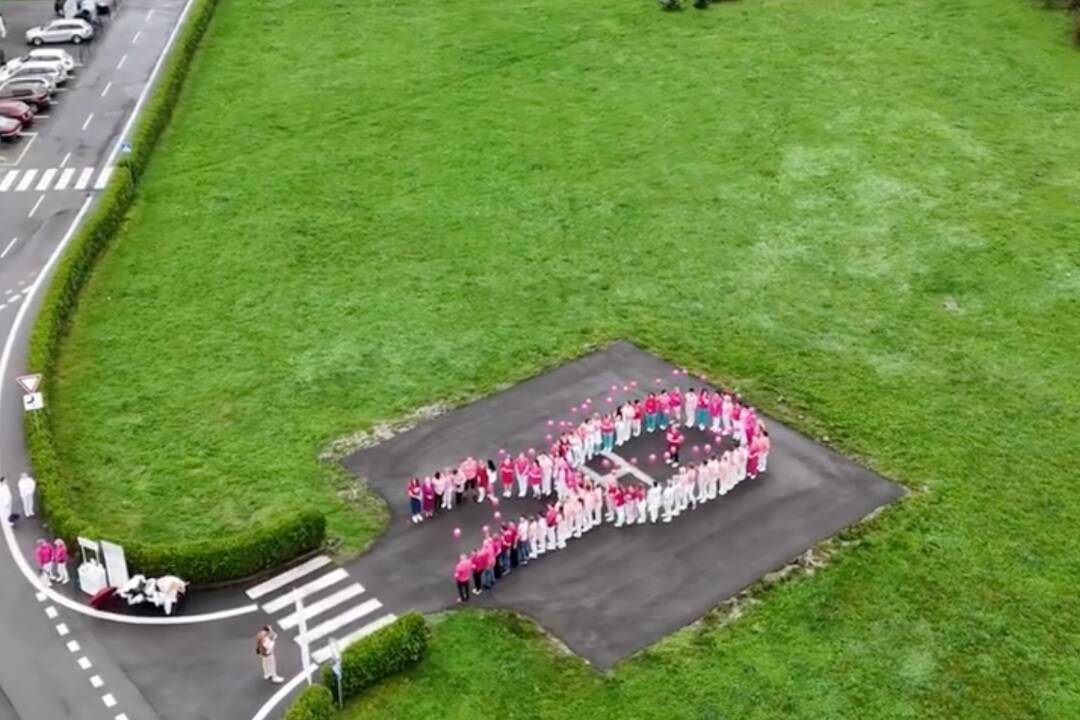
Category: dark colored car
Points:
column 17, row 110
column 35, row 97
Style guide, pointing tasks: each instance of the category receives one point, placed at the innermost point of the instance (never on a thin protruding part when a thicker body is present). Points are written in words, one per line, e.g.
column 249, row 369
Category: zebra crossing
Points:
column 42, row 180
column 334, row 606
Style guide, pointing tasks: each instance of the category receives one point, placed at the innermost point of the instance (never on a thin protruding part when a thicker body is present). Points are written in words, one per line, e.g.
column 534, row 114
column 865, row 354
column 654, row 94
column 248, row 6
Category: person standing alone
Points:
column 26, row 492
column 264, row 648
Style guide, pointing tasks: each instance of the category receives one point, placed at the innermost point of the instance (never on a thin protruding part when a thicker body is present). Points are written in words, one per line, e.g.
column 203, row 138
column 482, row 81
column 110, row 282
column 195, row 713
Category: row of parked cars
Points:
column 27, row 86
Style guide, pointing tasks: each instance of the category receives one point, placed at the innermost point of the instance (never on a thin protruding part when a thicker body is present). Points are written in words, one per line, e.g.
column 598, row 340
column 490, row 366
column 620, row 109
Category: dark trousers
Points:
column 673, row 453
column 477, row 580
column 463, row 590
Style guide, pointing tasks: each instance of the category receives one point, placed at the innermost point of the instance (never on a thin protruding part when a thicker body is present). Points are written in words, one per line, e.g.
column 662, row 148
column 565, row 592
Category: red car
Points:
column 9, row 129
column 17, row 110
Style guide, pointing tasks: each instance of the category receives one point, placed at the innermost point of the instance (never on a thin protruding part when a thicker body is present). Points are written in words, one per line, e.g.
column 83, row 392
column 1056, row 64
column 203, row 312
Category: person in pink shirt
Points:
column 506, row 476
column 470, row 468
column 484, row 472
column 651, row 407
column 607, row 433
column 60, row 561
column 716, row 405
column 43, row 554
column 415, row 505
column 536, row 479
column 704, row 399
column 462, row 573
column 727, row 413
column 662, row 405
column 478, row 560
column 427, row 497
column 674, row 438
column 675, row 403
column 551, row 520
column 490, row 563
column 752, row 455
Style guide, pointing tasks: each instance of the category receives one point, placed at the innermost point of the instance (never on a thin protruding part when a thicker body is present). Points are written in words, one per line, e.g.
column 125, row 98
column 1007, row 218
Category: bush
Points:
column 315, row 703
column 383, row 653
column 670, row 4
column 215, row 560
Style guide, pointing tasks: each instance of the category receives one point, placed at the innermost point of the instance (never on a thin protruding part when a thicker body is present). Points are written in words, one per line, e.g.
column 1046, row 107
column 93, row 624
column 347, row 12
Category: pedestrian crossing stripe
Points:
column 43, row 180
column 335, row 609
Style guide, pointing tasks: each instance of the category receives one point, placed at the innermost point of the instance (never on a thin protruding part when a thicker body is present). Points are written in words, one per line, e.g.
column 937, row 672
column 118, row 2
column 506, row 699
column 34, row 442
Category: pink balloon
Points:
column 573, row 409
column 652, row 457
column 457, row 532
column 614, row 388
column 550, row 423
column 633, row 461
column 486, row 529
column 502, row 451
column 532, row 452
column 674, row 372
column 633, row 383
column 666, row 454
column 707, row 447
column 658, row 381
column 498, row 515
column 585, row 407
column 562, row 423
column 610, row 399
column 696, row 449
column 625, row 388
column 495, row 500
column 548, row 437
column 606, row 463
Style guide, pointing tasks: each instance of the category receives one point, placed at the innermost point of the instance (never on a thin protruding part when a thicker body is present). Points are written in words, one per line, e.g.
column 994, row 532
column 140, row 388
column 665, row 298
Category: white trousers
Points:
column 269, row 666
column 28, row 504
column 545, row 481
column 523, row 484
column 691, row 413
column 654, row 513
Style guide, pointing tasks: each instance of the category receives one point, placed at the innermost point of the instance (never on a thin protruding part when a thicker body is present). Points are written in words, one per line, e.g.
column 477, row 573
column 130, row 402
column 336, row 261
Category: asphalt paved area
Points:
column 616, row 590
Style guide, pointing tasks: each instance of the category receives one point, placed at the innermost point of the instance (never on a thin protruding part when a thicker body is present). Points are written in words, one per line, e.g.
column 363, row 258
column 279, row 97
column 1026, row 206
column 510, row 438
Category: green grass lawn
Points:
column 864, row 213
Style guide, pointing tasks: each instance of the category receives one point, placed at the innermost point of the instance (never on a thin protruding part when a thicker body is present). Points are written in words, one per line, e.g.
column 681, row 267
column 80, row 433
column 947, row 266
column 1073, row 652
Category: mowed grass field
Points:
column 862, row 213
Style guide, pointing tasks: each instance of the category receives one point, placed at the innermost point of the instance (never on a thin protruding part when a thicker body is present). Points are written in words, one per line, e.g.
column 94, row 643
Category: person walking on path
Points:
column 462, row 573
column 43, row 554
column 264, row 648
column 26, row 492
column 5, row 501
column 60, row 562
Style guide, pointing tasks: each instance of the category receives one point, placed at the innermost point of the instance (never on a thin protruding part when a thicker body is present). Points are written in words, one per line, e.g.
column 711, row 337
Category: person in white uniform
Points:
column 27, row 486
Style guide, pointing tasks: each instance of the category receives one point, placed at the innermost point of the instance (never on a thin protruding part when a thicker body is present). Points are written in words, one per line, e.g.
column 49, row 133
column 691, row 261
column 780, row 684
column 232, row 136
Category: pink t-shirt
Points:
column 675, row 400
column 463, row 570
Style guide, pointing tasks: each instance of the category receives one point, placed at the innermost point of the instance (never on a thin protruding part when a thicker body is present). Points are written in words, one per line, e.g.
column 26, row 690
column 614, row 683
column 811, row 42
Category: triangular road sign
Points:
column 29, row 383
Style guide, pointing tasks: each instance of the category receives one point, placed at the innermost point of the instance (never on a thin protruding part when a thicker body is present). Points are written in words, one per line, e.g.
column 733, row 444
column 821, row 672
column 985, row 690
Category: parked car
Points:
column 17, row 110
column 34, row 96
column 9, row 128
column 34, row 68
column 60, row 31
column 52, row 55
column 32, row 81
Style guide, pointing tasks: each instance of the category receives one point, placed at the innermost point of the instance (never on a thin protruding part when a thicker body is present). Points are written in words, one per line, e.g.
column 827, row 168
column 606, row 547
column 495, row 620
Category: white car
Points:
column 52, row 55
column 20, row 67
column 60, row 31
column 34, row 82
column 32, row 71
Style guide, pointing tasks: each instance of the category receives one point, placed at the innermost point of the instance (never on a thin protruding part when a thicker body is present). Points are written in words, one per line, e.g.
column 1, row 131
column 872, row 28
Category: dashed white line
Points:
column 86, row 123
column 122, row 61
column 109, row 700
column 84, row 663
column 64, row 161
column 96, row 681
column 148, row 16
column 106, row 90
column 62, row 629
column 40, row 596
column 122, row 716
column 73, row 646
column 136, row 38
column 2, row 256
column 51, row 612
column 36, row 206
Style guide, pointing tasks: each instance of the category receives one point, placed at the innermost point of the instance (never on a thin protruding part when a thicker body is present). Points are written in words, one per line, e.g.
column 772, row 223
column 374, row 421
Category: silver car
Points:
column 60, row 31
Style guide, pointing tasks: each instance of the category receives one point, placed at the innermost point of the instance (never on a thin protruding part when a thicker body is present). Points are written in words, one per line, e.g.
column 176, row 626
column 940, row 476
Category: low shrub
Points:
column 385, row 652
column 315, row 703
column 215, row 560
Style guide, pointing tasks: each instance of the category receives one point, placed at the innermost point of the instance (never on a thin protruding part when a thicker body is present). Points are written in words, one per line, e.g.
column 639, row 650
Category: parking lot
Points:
column 21, row 59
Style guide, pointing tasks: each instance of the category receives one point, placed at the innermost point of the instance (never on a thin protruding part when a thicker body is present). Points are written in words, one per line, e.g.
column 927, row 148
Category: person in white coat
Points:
column 27, row 486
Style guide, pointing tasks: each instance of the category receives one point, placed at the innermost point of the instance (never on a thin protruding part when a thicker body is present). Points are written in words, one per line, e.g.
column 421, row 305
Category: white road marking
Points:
column 136, row 38
column 27, row 180
column 339, row 621
column 287, row 577
column 73, row 646
column 46, row 178
column 8, row 180
column 109, row 700
column 283, row 692
column 320, row 583
column 66, row 158
column 121, row 716
column 40, row 596
column 322, row 605
column 36, row 206
column 65, row 178
column 122, row 61
column 86, row 123
column 15, row 298
column 96, row 681
column 323, row 654
column 84, row 178
column 150, row 14
column 61, row 627
column 51, row 612
column 2, row 256
column 105, row 92
column 84, row 663
column 103, row 179
column 629, row 468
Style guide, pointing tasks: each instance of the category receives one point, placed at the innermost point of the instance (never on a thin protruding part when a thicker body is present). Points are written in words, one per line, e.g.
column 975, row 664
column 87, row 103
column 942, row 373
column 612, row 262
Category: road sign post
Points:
column 335, row 666
column 301, row 637
column 32, row 398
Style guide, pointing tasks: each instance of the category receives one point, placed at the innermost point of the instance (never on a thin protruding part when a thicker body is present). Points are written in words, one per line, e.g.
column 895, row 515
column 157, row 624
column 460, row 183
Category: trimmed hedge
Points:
column 385, row 652
column 315, row 703
column 207, row 561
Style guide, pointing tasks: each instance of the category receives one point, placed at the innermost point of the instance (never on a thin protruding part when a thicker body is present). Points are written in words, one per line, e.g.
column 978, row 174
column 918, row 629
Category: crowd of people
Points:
column 581, row 499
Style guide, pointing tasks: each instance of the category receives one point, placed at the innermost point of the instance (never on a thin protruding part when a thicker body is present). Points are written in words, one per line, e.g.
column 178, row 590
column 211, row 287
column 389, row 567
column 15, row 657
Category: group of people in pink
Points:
column 51, row 558
column 584, row 499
